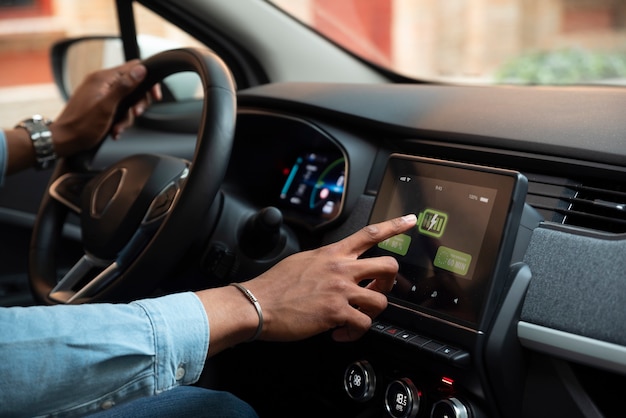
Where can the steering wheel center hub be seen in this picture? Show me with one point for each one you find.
(116, 202)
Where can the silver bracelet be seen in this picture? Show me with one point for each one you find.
(248, 294)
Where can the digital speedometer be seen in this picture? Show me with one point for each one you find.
(314, 186)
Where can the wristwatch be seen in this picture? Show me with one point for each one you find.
(37, 128)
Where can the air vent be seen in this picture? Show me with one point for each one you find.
(596, 206)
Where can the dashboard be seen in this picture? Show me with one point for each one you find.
(540, 332)
(518, 198)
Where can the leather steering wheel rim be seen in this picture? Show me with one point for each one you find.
(208, 167)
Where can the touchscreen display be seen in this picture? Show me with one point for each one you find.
(447, 260)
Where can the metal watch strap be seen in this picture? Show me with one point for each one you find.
(37, 128)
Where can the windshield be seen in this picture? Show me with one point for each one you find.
(548, 42)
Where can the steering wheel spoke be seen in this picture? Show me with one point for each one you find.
(84, 278)
(68, 189)
(91, 274)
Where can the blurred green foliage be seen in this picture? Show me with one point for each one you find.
(567, 66)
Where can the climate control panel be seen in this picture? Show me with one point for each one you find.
(406, 397)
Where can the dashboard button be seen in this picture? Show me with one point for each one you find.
(446, 351)
(379, 326)
(405, 335)
(419, 341)
(402, 399)
(393, 331)
(432, 346)
(449, 408)
(359, 381)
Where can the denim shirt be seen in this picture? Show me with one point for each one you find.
(72, 360)
(67, 361)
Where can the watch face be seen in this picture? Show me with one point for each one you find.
(41, 137)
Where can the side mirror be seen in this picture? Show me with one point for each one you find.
(73, 59)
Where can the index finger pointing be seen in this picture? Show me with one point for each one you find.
(370, 235)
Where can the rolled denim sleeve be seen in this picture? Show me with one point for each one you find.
(74, 360)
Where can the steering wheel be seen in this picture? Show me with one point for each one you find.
(138, 215)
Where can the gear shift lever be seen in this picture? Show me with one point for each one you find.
(261, 233)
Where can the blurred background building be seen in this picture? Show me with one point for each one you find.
(457, 39)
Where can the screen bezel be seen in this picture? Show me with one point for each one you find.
(495, 254)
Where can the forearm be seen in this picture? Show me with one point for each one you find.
(77, 357)
(20, 151)
(232, 317)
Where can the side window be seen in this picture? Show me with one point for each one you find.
(163, 34)
(155, 34)
(485, 42)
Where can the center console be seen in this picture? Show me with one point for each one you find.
(425, 355)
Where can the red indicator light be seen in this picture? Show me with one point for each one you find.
(447, 381)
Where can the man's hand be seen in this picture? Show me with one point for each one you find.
(310, 292)
(89, 114)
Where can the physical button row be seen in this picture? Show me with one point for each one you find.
(443, 351)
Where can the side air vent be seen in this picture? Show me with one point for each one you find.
(596, 206)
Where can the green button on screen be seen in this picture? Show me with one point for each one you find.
(452, 260)
(398, 244)
(432, 222)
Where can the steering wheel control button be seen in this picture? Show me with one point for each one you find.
(449, 408)
(359, 381)
(402, 399)
(162, 203)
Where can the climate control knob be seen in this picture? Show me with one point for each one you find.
(359, 381)
(402, 399)
(449, 408)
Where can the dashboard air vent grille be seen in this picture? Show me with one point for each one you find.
(596, 206)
